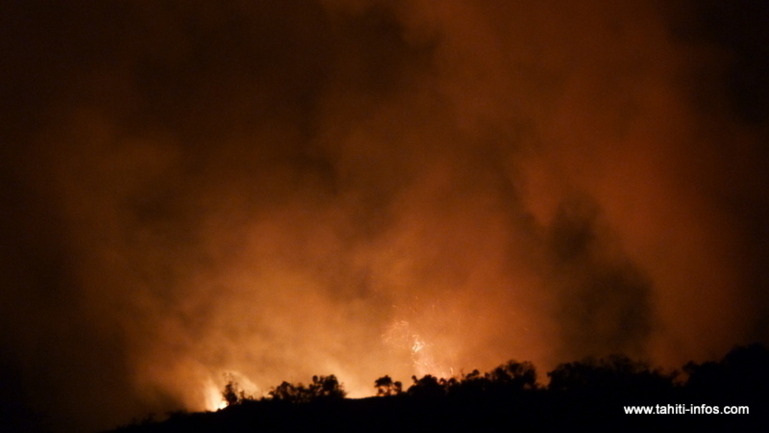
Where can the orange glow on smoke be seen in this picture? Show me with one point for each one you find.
(267, 191)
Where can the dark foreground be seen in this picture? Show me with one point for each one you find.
(590, 395)
(395, 414)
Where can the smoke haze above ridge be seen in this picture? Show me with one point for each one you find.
(282, 189)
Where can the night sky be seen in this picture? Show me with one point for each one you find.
(197, 191)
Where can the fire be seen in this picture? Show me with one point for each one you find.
(402, 335)
(213, 393)
(214, 400)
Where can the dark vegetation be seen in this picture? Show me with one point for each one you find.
(589, 394)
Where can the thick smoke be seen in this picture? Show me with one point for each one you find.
(270, 190)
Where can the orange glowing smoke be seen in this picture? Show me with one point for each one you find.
(366, 188)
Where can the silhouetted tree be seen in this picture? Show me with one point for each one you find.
(428, 387)
(616, 373)
(288, 393)
(743, 373)
(326, 387)
(747, 369)
(386, 387)
(514, 375)
(232, 393)
(322, 387)
(471, 384)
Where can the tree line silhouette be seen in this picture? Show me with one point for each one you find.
(509, 397)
